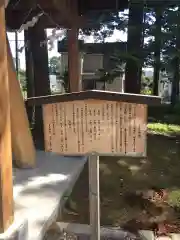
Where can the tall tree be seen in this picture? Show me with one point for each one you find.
(158, 27)
(102, 24)
(161, 49)
(157, 48)
(134, 47)
(41, 84)
(171, 48)
(176, 62)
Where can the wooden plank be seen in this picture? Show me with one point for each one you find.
(97, 95)
(73, 60)
(22, 142)
(94, 198)
(6, 192)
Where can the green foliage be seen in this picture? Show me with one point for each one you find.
(168, 34)
(164, 128)
(102, 24)
(146, 82)
(65, 78)
(146, 91)
(165, 35)
(174, 198)
(54, 65)
(22, 80)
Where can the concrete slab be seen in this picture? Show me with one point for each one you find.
(39, 192)
(82, 232)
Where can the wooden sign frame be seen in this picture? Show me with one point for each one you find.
(86, 98)
(58, 120)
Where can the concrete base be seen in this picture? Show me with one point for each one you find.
(39, 193)
(82, 232)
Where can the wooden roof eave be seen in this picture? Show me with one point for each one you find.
(55, 19)
(82, 5)
(64, 15)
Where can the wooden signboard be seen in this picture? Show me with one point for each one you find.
(95, 123)
(105, 127)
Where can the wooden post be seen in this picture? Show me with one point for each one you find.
(94, 199)
(22, 142)
(73, 60)
(81, 64)
(29, 77)
(6, 192)
(29, 66)
(37, 35)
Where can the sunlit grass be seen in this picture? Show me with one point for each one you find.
(163, 128)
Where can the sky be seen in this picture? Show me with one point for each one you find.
(117, 36)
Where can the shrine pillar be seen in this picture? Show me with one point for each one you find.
(29, 74)
(74, 61)
(6, 190)
(29, 66)
(41, 84)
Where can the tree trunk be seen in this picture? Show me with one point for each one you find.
(175, 82)
(37, 37)
(73, 61)
(176, 66)
(157, 50)
(134, 47)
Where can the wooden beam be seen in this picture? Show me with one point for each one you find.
(73, 60)
(22, 142)
(6, 190)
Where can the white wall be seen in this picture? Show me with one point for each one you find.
(90, 63)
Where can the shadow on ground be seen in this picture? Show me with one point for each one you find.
(136, 193)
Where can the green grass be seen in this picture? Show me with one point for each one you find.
(165, 129)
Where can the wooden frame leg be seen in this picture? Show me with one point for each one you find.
(22, 141)
(94, 196)
(6, 190)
